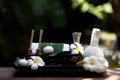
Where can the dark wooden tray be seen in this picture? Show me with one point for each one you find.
(57, 70)
(56, 66)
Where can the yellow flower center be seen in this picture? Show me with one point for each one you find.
(101, 62)
(77, 48)
(35, 61)
(92, 63)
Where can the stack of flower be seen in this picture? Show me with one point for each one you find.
(76, 48)
(95, 64)
(34, 62)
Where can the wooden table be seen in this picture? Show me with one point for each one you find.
(9, 73)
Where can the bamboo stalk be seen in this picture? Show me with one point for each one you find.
(40, 39)
(31, 39)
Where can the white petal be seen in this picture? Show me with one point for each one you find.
(86, 60)
(39, 58)
(101, 59)
(99, 68)
(72, 46)
(104, 62)
(33, 57)
(34, 67)
(92, 68)
(41, 63)
(86, 66)
(30, 62)
(75, 52)
(78, 44)
(93, 58)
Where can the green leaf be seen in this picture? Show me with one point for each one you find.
(85, 7)
(108, 8)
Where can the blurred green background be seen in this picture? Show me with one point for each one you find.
(58, 18)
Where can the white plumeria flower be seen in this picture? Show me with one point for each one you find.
(76, 48)
(90, 63)
(96, 64)
(102, 65)
(75, 51)
(72, 46)
(35, 62)
(103, 62)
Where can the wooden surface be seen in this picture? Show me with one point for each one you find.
(9, 73)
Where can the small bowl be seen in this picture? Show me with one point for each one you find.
(50, 59)
(69, 59)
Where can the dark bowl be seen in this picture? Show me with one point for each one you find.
(69, 59)
(50, 59)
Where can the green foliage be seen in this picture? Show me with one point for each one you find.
(99, 11)
(113, 63)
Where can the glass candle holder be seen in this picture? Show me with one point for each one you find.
(76, 37)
